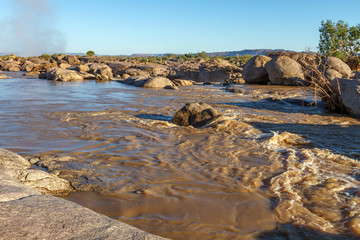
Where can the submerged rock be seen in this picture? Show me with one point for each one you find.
(3, 76)
(59, 74)
(195, 114)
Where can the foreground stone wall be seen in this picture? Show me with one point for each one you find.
(27, 214)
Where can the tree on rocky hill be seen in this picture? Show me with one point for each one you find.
(340, 40)
(90, 53)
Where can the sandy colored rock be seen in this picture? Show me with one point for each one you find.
(64, 65)
(64, 75)
(72, 60)
(158, 82)
(331, 74)
(284, 71)
(82, 68)
(337, 65)
(183, 82)
(102, 72)
(3, 76)
(17, 168)
(26, 214)
(254, 71)
(350, 94)
(27, 66)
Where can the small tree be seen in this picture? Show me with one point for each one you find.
(340, 40)
(202, 54)
(90, 53)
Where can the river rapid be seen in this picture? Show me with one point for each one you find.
(275, 169)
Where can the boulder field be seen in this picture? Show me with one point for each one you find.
(25, 213)
(276, 68)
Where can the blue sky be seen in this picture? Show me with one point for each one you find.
(172, 26)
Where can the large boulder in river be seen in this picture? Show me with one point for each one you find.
(349, 90)
(101, 71)
(283, 70)
(337, 65)
(195, 114)
(254, 71)
(27, 66)
(59, 74)
(158, 82)
(10, 65)
(72, 60)
(82, 68)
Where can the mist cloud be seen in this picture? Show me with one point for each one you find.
(31, 29)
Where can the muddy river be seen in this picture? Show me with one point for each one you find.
(275, 169)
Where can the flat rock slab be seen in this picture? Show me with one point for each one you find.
(26, 214)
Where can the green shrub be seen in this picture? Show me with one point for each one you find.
(90, 53)
(340, 40)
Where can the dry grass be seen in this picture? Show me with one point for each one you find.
(315, 76)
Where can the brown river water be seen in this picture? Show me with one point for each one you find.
(275, 169)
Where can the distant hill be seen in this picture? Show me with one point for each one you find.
(253, 52)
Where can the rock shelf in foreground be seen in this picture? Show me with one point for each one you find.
(27, 214)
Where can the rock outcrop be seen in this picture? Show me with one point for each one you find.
(158, 82)
(254, 71)
(152, 82)
(59, 74)
(337, 65)
(27, 214)
(195, 114)
(72, 60)
(283, 70)
(183, 82)
(18, 168)
(10, 65)
(102, 72)
(349, 90)
(81, 176)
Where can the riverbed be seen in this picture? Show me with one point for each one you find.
(281, 166)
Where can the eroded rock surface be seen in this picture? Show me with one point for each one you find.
(19, 169)
(78, 174)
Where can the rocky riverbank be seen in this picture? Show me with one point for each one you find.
(277, 68)
(25, 213)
